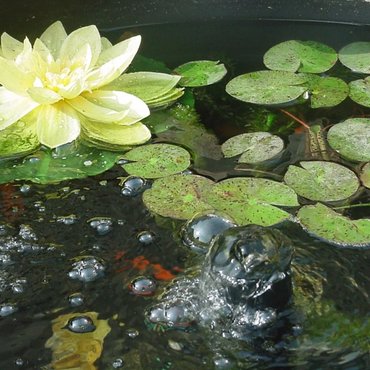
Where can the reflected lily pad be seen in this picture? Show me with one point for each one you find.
(300, 56)
(351, 139)
(360, 91)
(156, 160)
(356, 56)
(252, 200)
(268, 87)
(200, 73)
(365, 175)
(329, 225)
(323, 181)
(255, 147)
(46, 167)
(178, 196)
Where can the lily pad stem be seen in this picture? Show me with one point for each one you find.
(353, 206)
(303, 123)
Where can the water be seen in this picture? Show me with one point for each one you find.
(73, 255)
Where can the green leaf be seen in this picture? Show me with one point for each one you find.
(327, 91)
(18, 139)
(252, 200)
(141, 63)
(255, 147)
(178, 196)
(360, 91)
(356, 56)
(268, 87)
(46, 166)
(365, 175)
(329, 225)
(200, 73)
(166, 99)
(300, 56)
(156, 160)
(351, 139)
(323, 181)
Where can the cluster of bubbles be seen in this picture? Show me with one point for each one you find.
(87, 269)
(102, 225)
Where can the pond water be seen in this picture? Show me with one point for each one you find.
(71, 253)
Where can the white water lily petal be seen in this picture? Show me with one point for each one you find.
(53, 38)
(24, 60)
(111, 106)
(57, 124)
(105, 43)
(10, 46)
(77, 40)
(41, 49)
(13, 107)
(117, 135)
(42, 95)
(113, 61)
(13, 78)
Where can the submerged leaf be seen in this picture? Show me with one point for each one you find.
(351, 139)
(255, 147)
(200, 73)
(300, 56)
(365, 175)
(178, 196)
(329, 225)
(252, 200)
(268, 87)
(156, 160)
(356, 56)
(323, 181)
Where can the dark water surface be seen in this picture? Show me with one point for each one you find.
(81, 242)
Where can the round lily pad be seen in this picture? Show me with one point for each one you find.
(156, 160)
(268, 87)
(252, 200)
(365, 175)
(356, 56)
(329, 225)
(255, 147)
(178, 196)
(200, 73)
(300, 56)
(351, 139)
(323, 181)
(360, 91)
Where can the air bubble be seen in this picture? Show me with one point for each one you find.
(102, 225)
(67, 220)
(87, 269)
(146, 237)
(81, 324)
(7, 309)
(133, 186)
(143, 285)
(25, 189)
(132, 333)
(76, 299)
(118, 363)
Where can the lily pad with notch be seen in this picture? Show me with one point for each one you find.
(156, 160)
(333, 227)
(322, 181)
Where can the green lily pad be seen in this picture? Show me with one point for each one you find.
(166, 99)
(327, 91)
(46, 167)
(329, 225)
(351, 139)
(200, 73)
(300, 56)
(365, 175)
(322, 181)
(252, 200)
(356, 56)
(18, 139)
(360, 91)
(255, 147)
(268, 87)
(156, 160)
(178, 196)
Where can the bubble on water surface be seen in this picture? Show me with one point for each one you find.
(133, 186)
(26, 232)
(143, 285)
(67, 220)
(146, 237)
(81, 324)
(76, 299)
(87, 269)
(19, 362)
(117, 363)
(102, 225)
(7, 309)
(132, 333)
(25, 188)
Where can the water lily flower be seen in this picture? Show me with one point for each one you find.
(58, 87)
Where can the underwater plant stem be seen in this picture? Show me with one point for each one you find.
(303, 123)
(353, 206)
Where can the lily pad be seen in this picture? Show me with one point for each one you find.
(166, 99)
(300, 56)
(351, 139)
(200, 73)
(322, 181)
(156, 160)
(252, 200)
(356, 56)
(360, 91)
(329, 225)
(178, 196)
(268, 87)
(365, 175)
(45, 167)
(255, 147)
